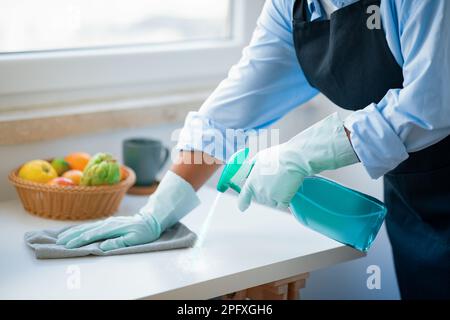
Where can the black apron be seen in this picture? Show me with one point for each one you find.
(353, 66)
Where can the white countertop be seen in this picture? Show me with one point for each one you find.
(239, 251)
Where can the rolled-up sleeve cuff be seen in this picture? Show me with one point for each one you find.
(201, 133)
(375, 142)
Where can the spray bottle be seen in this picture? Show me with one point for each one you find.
(338, 212)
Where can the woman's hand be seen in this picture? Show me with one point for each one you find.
(274, 178)
(279, 171)
(115, 232)
(173, 199)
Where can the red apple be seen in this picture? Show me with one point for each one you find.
(61, 181)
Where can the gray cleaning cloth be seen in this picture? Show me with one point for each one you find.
(45, 247)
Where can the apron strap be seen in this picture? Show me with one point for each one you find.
(299, 13)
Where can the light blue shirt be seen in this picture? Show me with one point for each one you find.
(268, 82)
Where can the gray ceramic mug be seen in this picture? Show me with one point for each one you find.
(146, 157)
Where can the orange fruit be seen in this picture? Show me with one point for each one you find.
(61, 181)
(74, 175)
(78, 160)
(123, 173)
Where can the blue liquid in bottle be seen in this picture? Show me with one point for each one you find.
(343, 214)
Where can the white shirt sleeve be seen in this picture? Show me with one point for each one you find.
(418, 115)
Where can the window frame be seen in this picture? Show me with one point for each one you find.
(36, 79)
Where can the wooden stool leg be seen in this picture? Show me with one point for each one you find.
(278, 290)
(239, 295)
(268, 292)
(293, 292)
(294, 289)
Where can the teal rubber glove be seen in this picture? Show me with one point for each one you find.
(173, 199)
(279, 171)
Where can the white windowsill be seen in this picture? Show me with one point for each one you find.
(25, 125)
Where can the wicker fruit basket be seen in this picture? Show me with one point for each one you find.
(71, 202)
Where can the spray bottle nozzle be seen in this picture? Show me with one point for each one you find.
(233, 175)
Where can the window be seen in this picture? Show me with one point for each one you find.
(54, 52)
(30, 25)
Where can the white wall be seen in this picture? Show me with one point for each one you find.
(345, 281)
